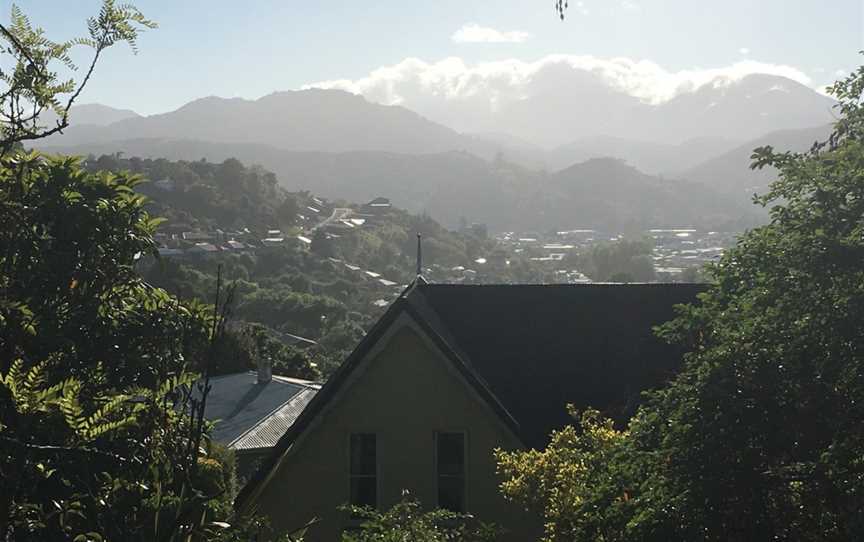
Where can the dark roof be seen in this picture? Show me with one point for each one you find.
(540, 347)
(529, 350)
(249, 414)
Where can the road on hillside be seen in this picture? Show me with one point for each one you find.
(338, 213)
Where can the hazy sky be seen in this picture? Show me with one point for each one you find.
(254, 47)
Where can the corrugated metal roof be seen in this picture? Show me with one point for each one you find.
(270, 429)
(237, 404)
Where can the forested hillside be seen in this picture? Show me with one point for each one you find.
(452, 185)
(298, 271)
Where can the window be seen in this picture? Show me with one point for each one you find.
(362, 471)
(450, 459)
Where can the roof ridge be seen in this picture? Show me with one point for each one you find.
(554, 284)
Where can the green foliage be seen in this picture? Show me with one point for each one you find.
(33, 88)
(408, 521)
(207, 194)
(102, 437)
(571, 483)
(760, 437)
(618, 261)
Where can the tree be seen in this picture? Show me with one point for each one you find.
(103, 378)
(100, 427)
(32, 87)
(571, 482)
(761, 436)
(618, 261)
(408, 521)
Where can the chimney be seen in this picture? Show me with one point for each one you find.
(265, 370)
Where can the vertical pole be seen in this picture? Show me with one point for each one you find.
(419, 256)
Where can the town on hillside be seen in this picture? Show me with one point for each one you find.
(446, 271)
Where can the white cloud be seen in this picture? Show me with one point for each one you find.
(423, 85)
(474, 33)
(580, 7)
(840, 73)
(744, 51)
(630, 5)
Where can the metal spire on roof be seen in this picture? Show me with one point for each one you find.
(419, 256)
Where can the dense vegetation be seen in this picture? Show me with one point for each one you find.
(761, 436)
(103, 378)
(321, 291)
(97, 367)
(104, 374)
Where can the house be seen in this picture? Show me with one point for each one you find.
(198, 236)
(166, 185)
(376, 208)
(199, 249)
(252, 410)
(451, 372)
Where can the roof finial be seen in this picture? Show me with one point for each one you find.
(419, 256)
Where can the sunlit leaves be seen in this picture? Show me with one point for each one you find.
(33, 87)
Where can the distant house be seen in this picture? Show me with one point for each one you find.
(166, 185)
(377, 206)
(273, 241)
(198, 236)
(203, 249)
(252, 410)
(235, 245)
(451, 372)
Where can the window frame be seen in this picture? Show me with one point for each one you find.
(464, 475)
(351, 476)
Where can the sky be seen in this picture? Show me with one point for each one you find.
(252, 48)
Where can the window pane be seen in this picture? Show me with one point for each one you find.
(451, 493)
(363, 492)
(451, 454)
(363, 454)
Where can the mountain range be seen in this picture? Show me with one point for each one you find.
(342, 146)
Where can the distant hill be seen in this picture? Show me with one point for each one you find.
(306, 120)
(600, 193)
(93, 115)
(606, 190)
(654, 158)
(580, 117)
(730, 172)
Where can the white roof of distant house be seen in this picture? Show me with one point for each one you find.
(303, 239)
(205, 247)
(197, 236)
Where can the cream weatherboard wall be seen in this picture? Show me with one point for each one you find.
(404, 391)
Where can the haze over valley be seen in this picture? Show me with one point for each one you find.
(568, 147)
